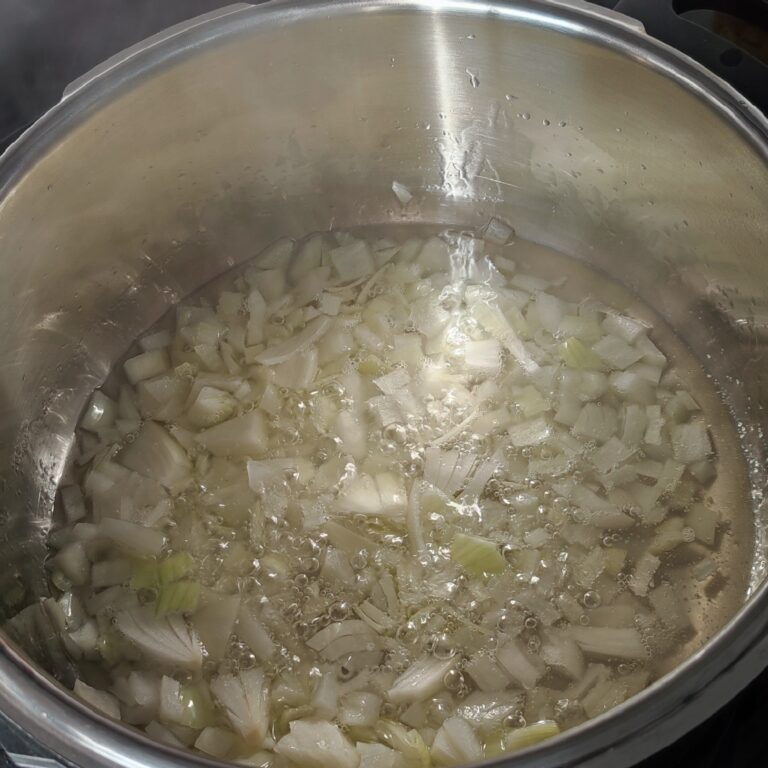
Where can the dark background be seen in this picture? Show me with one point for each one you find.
(45, 44)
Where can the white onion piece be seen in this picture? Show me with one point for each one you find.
(244, 435)
(615, 643)
(353, 435)
(298, 372)
(215, 741)
(100, 413)
(157, 340)
(261, 473)
(596, 422)
(402, 193)
(359, 708)
(393, 382)
(277, 255)
(211, 406)
(132, 537)
(164, 735)
(107, 573)
(351, 627)
(456, 743)
(257, 315)
(352, 261)
(560, 650)
(646, 567)
(245, 701)
(486, 673)
(416, 539)
(146, 365)
(483, 356)
(421, 680)
(155, 454)
(215, 621)
(521, 665)
(529, 433)
(378, 756)
(102, 701)
(170, 706)
(616, 353)
(317, 744)
(86, 638)
(310, 334)
(165, 640)
(494, 321)
(254, 634)
(690, 442)
(74, 563)
(73, 502)
(382, 495)
(624, 327)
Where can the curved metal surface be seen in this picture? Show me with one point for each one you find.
(152, 178)
(164, 37)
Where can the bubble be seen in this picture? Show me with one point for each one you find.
(333, 389)
(359, 560)
(504, 621)
(407, 633)
(395, 433)
(309, 565)
(310, 547)
(584, 620)
(339, 611)
(441, 646)
(531, 622)
(515, 720)
(453, 680)
(591, 599)
(319, 622)
(301, 580)
(292, 611)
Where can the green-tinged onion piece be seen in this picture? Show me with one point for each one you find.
(575, 354)
(520, 738)
(478, 556)
(175, 567)
(179, 597)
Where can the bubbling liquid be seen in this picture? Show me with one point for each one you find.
(413, 491)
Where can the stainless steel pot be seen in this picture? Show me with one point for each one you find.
(190, 152)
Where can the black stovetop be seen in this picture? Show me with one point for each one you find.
(45, 44)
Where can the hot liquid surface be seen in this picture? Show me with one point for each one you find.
(424, 498)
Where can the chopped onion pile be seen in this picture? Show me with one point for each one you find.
(380, 504)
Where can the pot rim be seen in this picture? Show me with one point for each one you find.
(625, 734)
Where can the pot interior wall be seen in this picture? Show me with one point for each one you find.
(144, 187)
